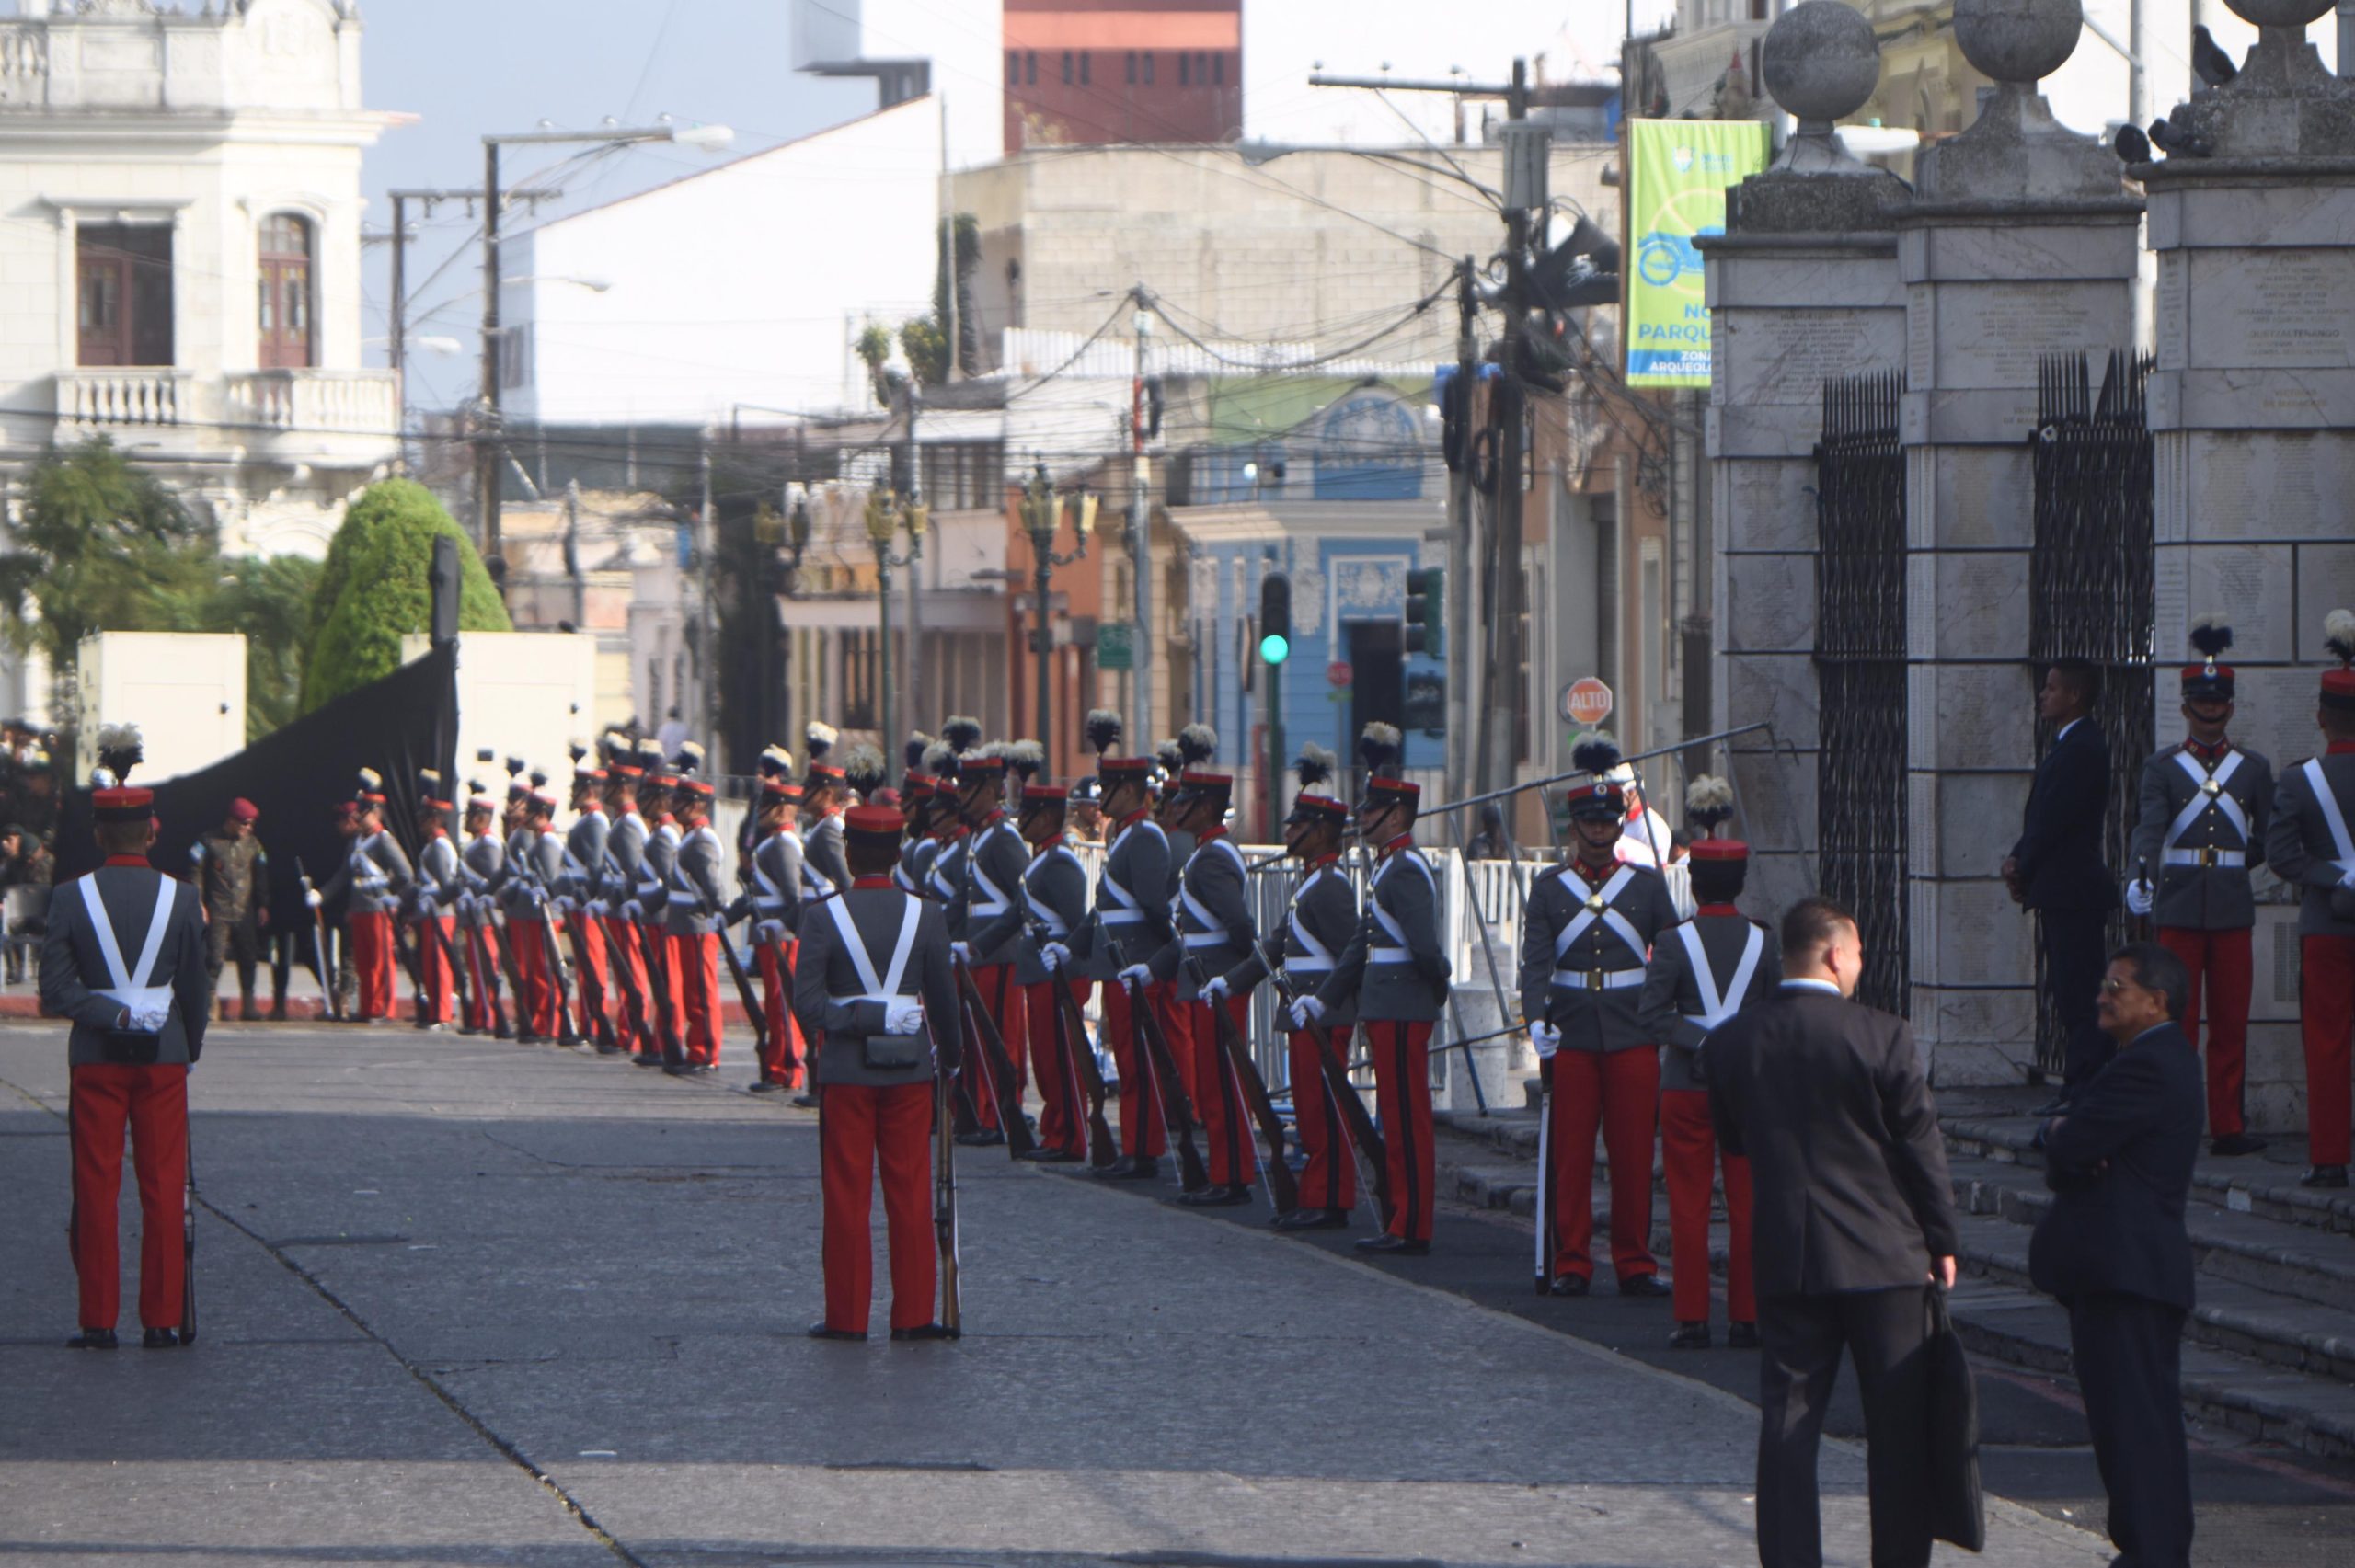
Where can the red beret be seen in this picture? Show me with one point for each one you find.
(243, 810)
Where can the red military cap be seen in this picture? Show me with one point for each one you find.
(775, 787)
(1719, 849)
(124, 804)
(1126, 767)
(697, 786)
(244, 811)
(874, 823)
(1397, 789)
(990, 762)
(1038, 795)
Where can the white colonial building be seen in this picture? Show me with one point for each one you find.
(180, 253)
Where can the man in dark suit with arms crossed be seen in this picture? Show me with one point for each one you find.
(2055, 869)
(2113, 1248)
(1852, 1212)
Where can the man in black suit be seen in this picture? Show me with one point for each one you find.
(1853, 1212)
(2056, 867)
(2113, 1249)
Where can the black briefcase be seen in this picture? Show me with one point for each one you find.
(1957, 1505)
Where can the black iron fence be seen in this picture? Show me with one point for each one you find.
(1860, 668)
(2089, 579)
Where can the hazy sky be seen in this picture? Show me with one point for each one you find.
(468, 67)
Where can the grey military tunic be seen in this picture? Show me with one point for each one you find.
(517, 897)
(485, 860)
(916, 866)
(2310, 843)
(1054, 899)
(378, 874)
(822, 851)
(624, 859)
(841, 1007)
(990, 920)
(1131, 903)
(943, 882)
(75, 968)
(696, 899)
(775, 895)
(651, 886)
(440, 877)
(1322, 917)
(1584, 948)
(1393, 967)
(585, 857)
(2201, 834)
(1703, 972)
(1212, 914)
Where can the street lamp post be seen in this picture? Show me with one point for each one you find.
(1042, 510)
(887, 514)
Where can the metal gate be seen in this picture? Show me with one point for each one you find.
(1860, 671)
(2089, 582)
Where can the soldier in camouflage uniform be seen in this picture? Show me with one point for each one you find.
(233, 876)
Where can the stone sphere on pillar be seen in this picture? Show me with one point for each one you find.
(2295, 15)
(2018, 41)
(1820, 61)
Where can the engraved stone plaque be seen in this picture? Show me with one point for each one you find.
(1785, 355)
(2271, 309)
(1991, 336)
(2269, 484)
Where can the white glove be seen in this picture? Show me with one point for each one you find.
(1215, 989)
(2139, 896)
(313, 898)
(565, 904)
(2347, 880)
(904, 1015)
(631, 911)
(1546, 1040)
(598, 908)
(1306, 1012)
(150, 1019)
(768, 933)
(962, 952)
(1135, 975)
(1054, 955)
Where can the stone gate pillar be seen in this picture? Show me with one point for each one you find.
(1802, 288)
(2021, 242)
(2252, 412)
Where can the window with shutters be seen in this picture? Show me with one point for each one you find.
(123, 293)
(284, 289)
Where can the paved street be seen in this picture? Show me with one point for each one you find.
(466, 1302)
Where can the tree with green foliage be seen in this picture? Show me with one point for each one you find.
(925, 339)
(99, 546)
(377, 588)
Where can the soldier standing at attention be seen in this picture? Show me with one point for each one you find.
(1214, 928)
(691, 914)
(1322, 917)
(584, 858)
(124, 959)
(232, 874)
(1397, 973)
(374, 876)
(616, 886)
(875, 989)
(1701, 973)
(825, 791)
(645, 907)
(985, 921)
(773, 901)
(483, 858)
(1055, 902)
(440, 880)
(2205, 808)
(2310, 846)
(1590, 931)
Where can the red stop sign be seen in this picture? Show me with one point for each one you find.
(1586, 702)
(1339, 673)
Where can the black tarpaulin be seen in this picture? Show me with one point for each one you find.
(297, 776)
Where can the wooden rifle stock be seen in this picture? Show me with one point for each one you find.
(944, 1204)
(1374, 1156)
(1071, 1037)
(1283, 1188)
(1004, 1091)
(1150, 1045)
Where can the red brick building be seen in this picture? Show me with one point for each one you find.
(1083, 72)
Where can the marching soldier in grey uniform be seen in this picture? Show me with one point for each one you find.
(875, 988)
(1215, 932)
(1055, 902)
(584, 860)
(481, 863)
(534, 877)
(433, 901)
(1586, 936)
(1396, 972)
(985, 919)
(772, 898)
(634, 1029)
(1323, 918)
(373, 876)
(2310, 845)
(1703, 972)
(825, 791)
(2206, 806)
(1130, 919)
(691, 917)
(649, 890)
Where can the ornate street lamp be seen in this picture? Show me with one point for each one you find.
(1042, 510)
(887, 514)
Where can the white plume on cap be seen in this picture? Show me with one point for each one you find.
(2338, 634)
(1708, 793)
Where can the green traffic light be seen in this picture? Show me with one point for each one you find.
(1274, 649)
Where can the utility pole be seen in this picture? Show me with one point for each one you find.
(1501, 729)
(397, 354)
(1141, 535)
(1461, 660)
(948, 238)
(487, 478)
(708, 545)
(914, 677)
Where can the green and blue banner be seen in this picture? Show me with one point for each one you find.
(1679, 171)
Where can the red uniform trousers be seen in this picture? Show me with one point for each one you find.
(433, 965)
(2222, 958)
(2326, 1007)
(781, 1054)
(536, 1007)
(1062, 1113)
(596, 981)
(1144, 1131)
(860, 1128)
(1619, 1092)
(1233, 1154)
(153, 1102)
(1177, 1020)
(1002, 999)
(1329, 1180)
(633, 1020)
(1402, 1098)
(661, 989)
(372, 961)
(694, 961)
(482, 966)
(1689, 1155)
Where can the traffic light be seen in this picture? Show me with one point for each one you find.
(1275, 618)
(1427, 610)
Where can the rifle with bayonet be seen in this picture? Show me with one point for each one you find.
(1283, 1189)
(1151, 1052)
(319, 940)
(1071, 1039)
(1006, 1089)
(1365, 1138)
(944, 1197)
